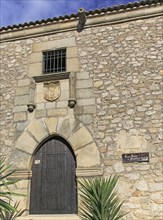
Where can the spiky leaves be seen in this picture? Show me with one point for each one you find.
(99, 199)
(12, 214)
(5, 194)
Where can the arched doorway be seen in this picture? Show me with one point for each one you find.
(53, 183)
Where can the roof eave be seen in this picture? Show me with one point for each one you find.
(71, 24)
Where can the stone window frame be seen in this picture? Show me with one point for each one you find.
(36, 59)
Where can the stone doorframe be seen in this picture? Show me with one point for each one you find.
(74, 132)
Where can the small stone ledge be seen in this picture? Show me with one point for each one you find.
(50, 77)
(49, 217)
(89, 172)
(21, 174)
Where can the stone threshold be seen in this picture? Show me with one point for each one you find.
(49, 217)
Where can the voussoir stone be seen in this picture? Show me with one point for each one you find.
(26, 143)
(88, 156)
(37, 129)
(51, 124)
(80, 138)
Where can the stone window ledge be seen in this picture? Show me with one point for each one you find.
(50, 77)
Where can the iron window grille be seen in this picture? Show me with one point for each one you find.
(54, 61)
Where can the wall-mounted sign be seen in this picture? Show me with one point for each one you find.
(135, 157)
(37, 161)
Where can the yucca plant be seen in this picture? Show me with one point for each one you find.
(99, 199)
(5, 182)
(12, 214)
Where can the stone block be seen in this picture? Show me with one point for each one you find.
(82, 75)
(36, 57)
(20, 108)
(119, 167)
(51, 124)
(83, 84)
(72, 52)
(84, 93)
(89, 109)
(141, 185)
(84, 102)
(37, 129)
(26, 143)
(85, 119)
(50, 105)
(39, 87)
(123, 187)
(24, 82)
(80, 138)
(88, 156)
(67, 126)
(57, 112)
(22, 100)
(98, 84)
(35, 69)
(154, 187)
(78, 110)
(72, 65)
(20, 126)
(20, 116)
(23, 184)
(39, 98)
(62, 104)
(40, 106)
(24, 90)
(64, 95)
(40, 113)
(64, 85)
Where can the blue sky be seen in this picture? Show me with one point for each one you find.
(20, 11)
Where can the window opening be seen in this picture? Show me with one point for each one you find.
(54, 61)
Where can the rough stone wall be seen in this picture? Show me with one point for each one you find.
(118, 91)
(124, 62)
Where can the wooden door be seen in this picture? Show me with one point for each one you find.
(53, 184)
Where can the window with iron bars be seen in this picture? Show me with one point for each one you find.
(54, 61)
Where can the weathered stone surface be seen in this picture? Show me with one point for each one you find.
(26, 143)
(82, 84)
(130, 141)
(22, 90)
(22, 100)
(51, 124)
(57, 112)
(84, 93)
(88, 156)
(37, 129)
(118, 70)
(77, 141)
(141, 185)
(21, 116)
(24, 82)
(66, 126)
(82, 75)
(84, 102)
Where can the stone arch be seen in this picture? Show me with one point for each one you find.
(73, 131)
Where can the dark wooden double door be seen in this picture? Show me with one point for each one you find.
(53, 184)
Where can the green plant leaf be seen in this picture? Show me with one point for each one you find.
(99, 199)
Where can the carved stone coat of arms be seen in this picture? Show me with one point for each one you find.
(52, 90)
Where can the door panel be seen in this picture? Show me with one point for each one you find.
(53, 184)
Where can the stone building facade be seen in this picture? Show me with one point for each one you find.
(113, 78)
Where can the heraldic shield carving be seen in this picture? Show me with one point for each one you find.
(52, 90)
